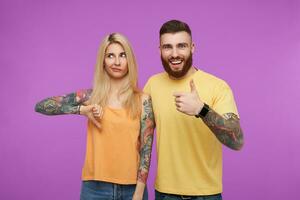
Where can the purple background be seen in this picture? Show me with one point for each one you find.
(49, 48)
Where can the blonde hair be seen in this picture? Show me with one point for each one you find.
(129, 90)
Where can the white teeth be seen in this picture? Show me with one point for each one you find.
(176, 62)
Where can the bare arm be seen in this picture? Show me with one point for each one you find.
(65, 104)
(226, 128)
(146, 138)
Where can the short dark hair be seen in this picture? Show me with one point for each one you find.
(174, 26)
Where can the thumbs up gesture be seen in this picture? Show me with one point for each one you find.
(188, 102)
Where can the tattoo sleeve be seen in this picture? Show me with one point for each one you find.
(146, 139)
(226, 128)
(65, 104)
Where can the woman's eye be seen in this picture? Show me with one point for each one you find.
(123, 55)
(110, 55)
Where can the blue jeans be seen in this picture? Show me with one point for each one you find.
(99, 190)
(164, 196)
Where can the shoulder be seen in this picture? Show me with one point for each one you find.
(83, 94)
(211, 79)
(146, 106)
(84, 91)
(154, 81)
(146, 101)
(157, 77)
(145, 97)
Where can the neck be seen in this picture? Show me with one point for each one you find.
(115, 99)
(116, 84)
(189, 72)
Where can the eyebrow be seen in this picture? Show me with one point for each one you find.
(170, 45)
(166, 45)
(111, 53)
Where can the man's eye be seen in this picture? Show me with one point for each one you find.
(167, 47)
(182, 46)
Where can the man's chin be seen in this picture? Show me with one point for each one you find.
(176, 74)
(176, 70)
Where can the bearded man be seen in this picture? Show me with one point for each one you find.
(195, 114)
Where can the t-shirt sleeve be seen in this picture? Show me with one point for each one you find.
(224, 101)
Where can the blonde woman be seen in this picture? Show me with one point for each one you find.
(120, 125)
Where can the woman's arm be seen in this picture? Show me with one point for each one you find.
(146, 139)
(65, 104)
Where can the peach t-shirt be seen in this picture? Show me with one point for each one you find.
(112, 153)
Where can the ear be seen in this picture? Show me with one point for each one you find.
(193, 47)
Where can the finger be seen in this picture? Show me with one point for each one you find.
(178, 94)
(95, 121)
(96, 115)
(178, 99)
(192, 85)
(101, 113)
(179, 105)
(178, 109)
(95, 108)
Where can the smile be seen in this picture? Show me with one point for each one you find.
(176, 62)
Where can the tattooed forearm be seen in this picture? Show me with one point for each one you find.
(226, 128)
(66, 104)
(146, 138)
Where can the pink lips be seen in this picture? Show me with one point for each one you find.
(116, 69)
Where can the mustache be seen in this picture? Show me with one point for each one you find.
(175, 58)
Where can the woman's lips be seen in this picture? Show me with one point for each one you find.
(116, 69)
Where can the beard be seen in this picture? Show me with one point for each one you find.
(178, 74)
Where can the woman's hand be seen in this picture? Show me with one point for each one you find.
(92, 112)
(137, 196)
(139, 191)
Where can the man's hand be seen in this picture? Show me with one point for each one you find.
(188, 102)
(92, 112)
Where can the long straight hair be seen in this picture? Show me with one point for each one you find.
(102, 84)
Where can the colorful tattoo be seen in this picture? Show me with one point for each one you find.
(227, 128)
(146, 139)
(66, 104)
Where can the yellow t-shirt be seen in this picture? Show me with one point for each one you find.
(189, 155)
(112, 154)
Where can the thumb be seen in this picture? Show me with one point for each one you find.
(96, 123)
(193, 87)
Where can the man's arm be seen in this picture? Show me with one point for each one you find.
(65, 104)
(226, 128)
(146, 140)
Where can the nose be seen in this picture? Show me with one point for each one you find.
(174, 53)
(117, 61)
